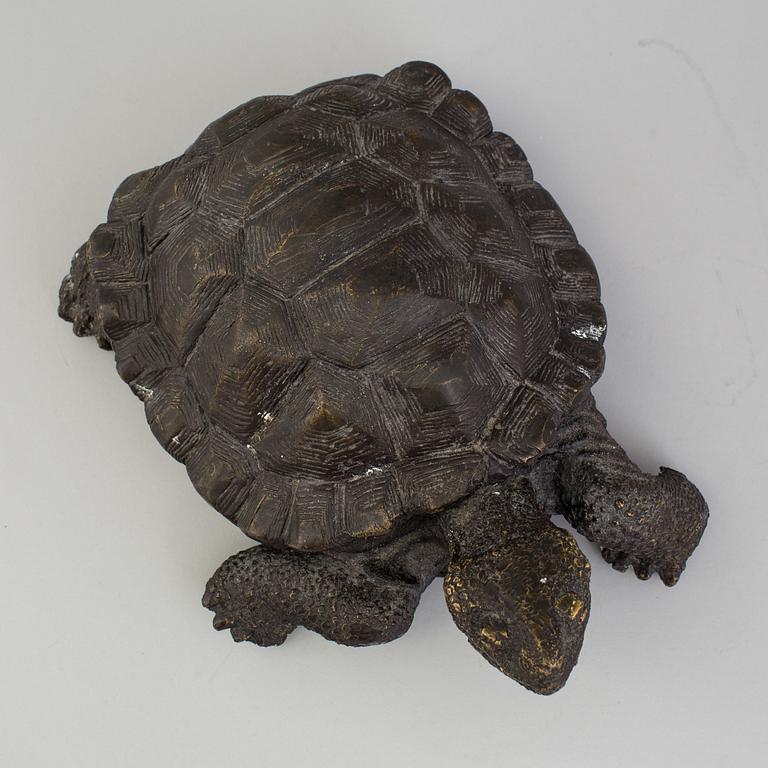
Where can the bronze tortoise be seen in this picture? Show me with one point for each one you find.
(371, 336)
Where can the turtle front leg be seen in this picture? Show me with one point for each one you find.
(362, 598)
(517, 586)
(652, 523)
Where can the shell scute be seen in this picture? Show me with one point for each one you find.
(542, 217)
(356, 312)
(324, 222)
(245, 358)
(505, 159)
(417, 83)
(430, 483)
(439, 389)
(462, 113)
(237, 123)
(324, 428)
(221, 471)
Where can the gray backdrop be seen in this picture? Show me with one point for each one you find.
(647, 121)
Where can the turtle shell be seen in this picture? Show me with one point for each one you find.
(341, 307)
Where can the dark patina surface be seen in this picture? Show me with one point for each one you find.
(370, 336)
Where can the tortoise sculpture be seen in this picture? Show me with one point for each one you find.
(371, 338)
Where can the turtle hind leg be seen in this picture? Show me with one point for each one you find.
(649, 522)
(77, 300)
(517, 586)
(262, 595)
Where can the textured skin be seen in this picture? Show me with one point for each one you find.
(352, 598)
(371, 336)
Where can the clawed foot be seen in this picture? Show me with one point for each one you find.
(651, 524)
(243, 606)
(621, 561)
(262, 595)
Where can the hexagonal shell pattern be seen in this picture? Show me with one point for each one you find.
(340, 306)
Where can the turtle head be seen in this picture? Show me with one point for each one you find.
(516, 585)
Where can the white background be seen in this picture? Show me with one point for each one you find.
(647, 121)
